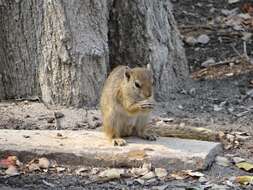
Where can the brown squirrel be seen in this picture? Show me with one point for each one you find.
(126, 103)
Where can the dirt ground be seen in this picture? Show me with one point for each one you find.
(219, 97)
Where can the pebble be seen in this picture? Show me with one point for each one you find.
(203, 39)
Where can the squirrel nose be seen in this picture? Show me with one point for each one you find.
(147, 94)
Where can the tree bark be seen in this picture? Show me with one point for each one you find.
(74, 51)
(61, 50)
(18, 49)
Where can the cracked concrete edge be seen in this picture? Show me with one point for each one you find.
(93, 159)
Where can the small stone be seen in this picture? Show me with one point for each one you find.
(222, 161)
(208, 62)
(26, 102)
(203, 39)
(44, 163)
(180, 107)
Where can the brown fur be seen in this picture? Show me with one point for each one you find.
(126, 107)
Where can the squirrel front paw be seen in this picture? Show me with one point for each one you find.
(119, 142)
(146, 105)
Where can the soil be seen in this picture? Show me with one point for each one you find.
(220, 104)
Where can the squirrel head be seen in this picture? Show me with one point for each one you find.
(138, 83)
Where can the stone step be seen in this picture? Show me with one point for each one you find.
(92, 149)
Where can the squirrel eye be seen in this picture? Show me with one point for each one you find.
(137, 84)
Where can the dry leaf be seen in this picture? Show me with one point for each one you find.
(245, 165)
(148, 176)
(237, 160)
(33, 167)
(139, 171)
(12, 171)
(194, 174)
(244, 179)
(247, 8)
(161, 172)
(178, 176)
(81, 170)
(147, 166)
(112, 173)
(60, 169)
(9, 161)
(140, 181)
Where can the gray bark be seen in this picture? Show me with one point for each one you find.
(74, 51)
(18, 52)
(60, 50)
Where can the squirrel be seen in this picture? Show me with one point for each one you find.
(126, 103)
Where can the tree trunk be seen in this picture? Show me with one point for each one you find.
(61, 50)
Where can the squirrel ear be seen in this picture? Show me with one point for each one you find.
(127, 73)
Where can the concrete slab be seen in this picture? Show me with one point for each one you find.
(92, 148)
